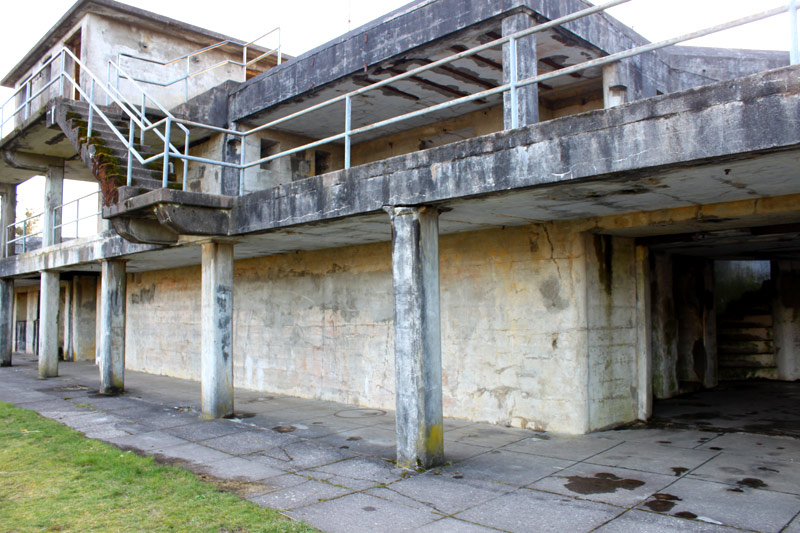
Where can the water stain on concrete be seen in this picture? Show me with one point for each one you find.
(679, 470)
(662, 502)
(686, 514)
(752, 482)
(601, 483)
(284, 429)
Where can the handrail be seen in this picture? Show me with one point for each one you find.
(186, 57)
(25, 235)
(78, 217)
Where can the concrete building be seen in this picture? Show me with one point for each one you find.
(433, 213)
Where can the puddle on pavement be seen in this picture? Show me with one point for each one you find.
(662, 502)
(686, 514)
(284, 429)
(679, 470)
(752, 482)
(602, 483)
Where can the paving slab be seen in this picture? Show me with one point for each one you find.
(794, 526)
(659, 459)
(361, 512)
(370, 469)
(201, 430)
(239, 468)
(636, 521)
(247, 442)
(526, 510)
(368, 440)
(487, 435)
(453, 525)
(729, 505)
(301, 455)
(616, 486)
(761, 446)
(570, 448)
(747, 471)
(681, 438)
(147, 441)
(447, 494)
(308, 493)
(192, 453)
(509, 468)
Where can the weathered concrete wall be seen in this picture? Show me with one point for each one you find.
(734, 278)
(664, 327)
(515, 327)
(617, 330)
(84, 317)
(693, 285)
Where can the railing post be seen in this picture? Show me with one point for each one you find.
(130, 152)
(186, 83)
(513, 83)
(61, 75)
(28, 98)
(77, 216)
(165, 171)
(91, 110)
(794, 55)
(186, 161)
(347, 126)
(24, 236)
(144, 113)
(244, 64)
(242, 146)
(108, 83)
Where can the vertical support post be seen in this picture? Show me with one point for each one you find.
(165, 171)
(8, 214)
(186, 161)
(242, 148)
(418, 359)
(794, 55)
(347, 127)
(91, 110)
(6, 320)
(53, 198)
(111, 345)
(186, 83)
(28, 98)
(520, 105)
(244, 64)
(48, 324)
(786, 318)
(615, 88)
(144, 119)
(130, 152)
(61, 74)
(108, 83)
(217, 330)
(68, 321)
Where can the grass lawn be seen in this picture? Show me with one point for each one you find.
(52, 478)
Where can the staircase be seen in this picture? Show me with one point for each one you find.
(106, 155)
(745, 343)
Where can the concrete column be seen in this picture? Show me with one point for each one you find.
(111, 345)
(49, 296)
(664, 338)
(6, 320)
(527, 97)
(786, 318)
(8, 214)
(67, 321)
(53, 197)
(615, 86)
(217, 330)
(84, 318)
(697, 325)
(417, 343)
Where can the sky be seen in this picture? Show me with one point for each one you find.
(306, 24)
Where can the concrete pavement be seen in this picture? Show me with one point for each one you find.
(332, 464)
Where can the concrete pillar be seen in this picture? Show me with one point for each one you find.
(49, 298)
(527, 97)
(111, 346)
(615, 86)
(67, 321)
(697, 325)
(216, 363)
(417, 343)
(664, 327)
(53, 197)
(8, 214)
(84, 318)
(32, 323)
(6, 320)
(786, 318)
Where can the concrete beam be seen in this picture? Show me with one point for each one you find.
(615, 86)
(48, 323)
(526, 66)
(217, 330)
(111, 346)
(417, 344)
(6, 320)
(53, 197)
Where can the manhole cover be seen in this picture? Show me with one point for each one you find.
(360, 413)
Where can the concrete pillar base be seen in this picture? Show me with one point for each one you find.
(418, 357)
(48, 324)
(217, 334)
(111, 348)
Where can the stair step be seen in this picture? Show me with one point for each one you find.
(745, 347)
(756, 360)
(750, 321)
(730, 336)
(728, 374)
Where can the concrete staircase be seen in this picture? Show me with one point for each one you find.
(106, 155)
(745, 343)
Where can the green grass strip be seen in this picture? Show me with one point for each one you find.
(52, 478)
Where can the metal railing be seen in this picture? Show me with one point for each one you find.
(136, 116)
(244, 63)
(96, 211)
(26, 225)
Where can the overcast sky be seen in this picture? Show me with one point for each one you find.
(307, 23)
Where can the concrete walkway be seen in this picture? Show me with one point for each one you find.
(330, 464)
